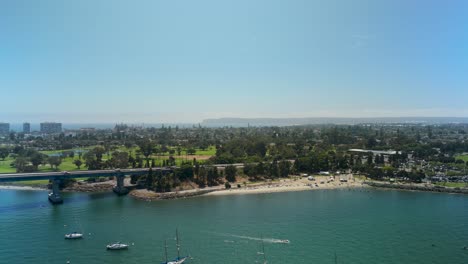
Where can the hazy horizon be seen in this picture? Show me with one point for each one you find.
(16, 124)
(185, 61)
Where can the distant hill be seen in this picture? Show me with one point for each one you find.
(244, 122)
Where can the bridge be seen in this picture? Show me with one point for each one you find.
(56, 177)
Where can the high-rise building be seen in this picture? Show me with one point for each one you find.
(26, 128)
(4, 128)
(51, 128)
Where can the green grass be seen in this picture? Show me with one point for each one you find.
(462, 157)
(67, 163)
(5, 166)
(452, 184)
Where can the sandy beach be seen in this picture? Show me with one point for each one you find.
(291, 185)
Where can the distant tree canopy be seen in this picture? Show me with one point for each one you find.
(4, 152)
(266, 152)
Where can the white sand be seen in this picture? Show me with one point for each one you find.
(290, 185)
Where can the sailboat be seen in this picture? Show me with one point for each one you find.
(74, 235)
(179, 259)
(263, 252)
(117, 245)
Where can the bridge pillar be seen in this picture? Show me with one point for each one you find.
(54, 196)
(120, 189)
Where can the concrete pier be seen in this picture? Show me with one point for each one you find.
(54, 196)
(120, 189)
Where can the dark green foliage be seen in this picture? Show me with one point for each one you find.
(230, 173)
(4, 152)
(150, 179)
(54, 161)
(212, 176)
(284, 168)
(185, 172)
(78, 163)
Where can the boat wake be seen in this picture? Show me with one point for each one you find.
(266, 240)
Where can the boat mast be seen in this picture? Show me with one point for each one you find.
(336, 258)
(263, 251)
(165, 249)
(177, 244)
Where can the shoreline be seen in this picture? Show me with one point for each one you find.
(283, 185)
(22, 188)
(416, 187)
(276, 188)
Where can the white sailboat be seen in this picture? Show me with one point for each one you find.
(179, 259)
(75, 235)
(118, 245)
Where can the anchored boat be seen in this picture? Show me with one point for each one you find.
(74, 235)
(179, 259)
(117, 246)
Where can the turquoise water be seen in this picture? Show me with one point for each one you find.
(361, 226)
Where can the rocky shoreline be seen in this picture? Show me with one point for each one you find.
(414, 187)
(90, 187)
(146, 195)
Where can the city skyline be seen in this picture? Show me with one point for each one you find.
(184, 62)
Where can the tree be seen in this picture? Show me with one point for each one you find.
(179, 150)
(274, 170)
(212, 176)
(369, 158)
(4, 152)
(92, 163)
(54, 161)
(119, 159)
(185, 172)
(21, 163)
(201, 177)
(230, 173)
(146, 147)
(191, 151)
(98, 152)
(150, 179)
(284, 168)
(78, 163)
(37, 159)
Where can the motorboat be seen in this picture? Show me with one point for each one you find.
(117, 246)
(284, 241)
(74, 235)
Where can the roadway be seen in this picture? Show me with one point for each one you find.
(11, 177)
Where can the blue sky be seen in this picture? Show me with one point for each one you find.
(183, 61)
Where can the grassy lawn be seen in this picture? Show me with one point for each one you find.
(210, 151)
(462, 157)
(67, 163)
(5, 166)
(452, 184)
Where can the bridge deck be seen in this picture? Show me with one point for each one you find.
(11, 177)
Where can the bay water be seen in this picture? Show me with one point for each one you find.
(355, 225)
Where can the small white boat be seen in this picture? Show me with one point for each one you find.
(117, 246)
(73, 235)
(284, 241)
(177, 261)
